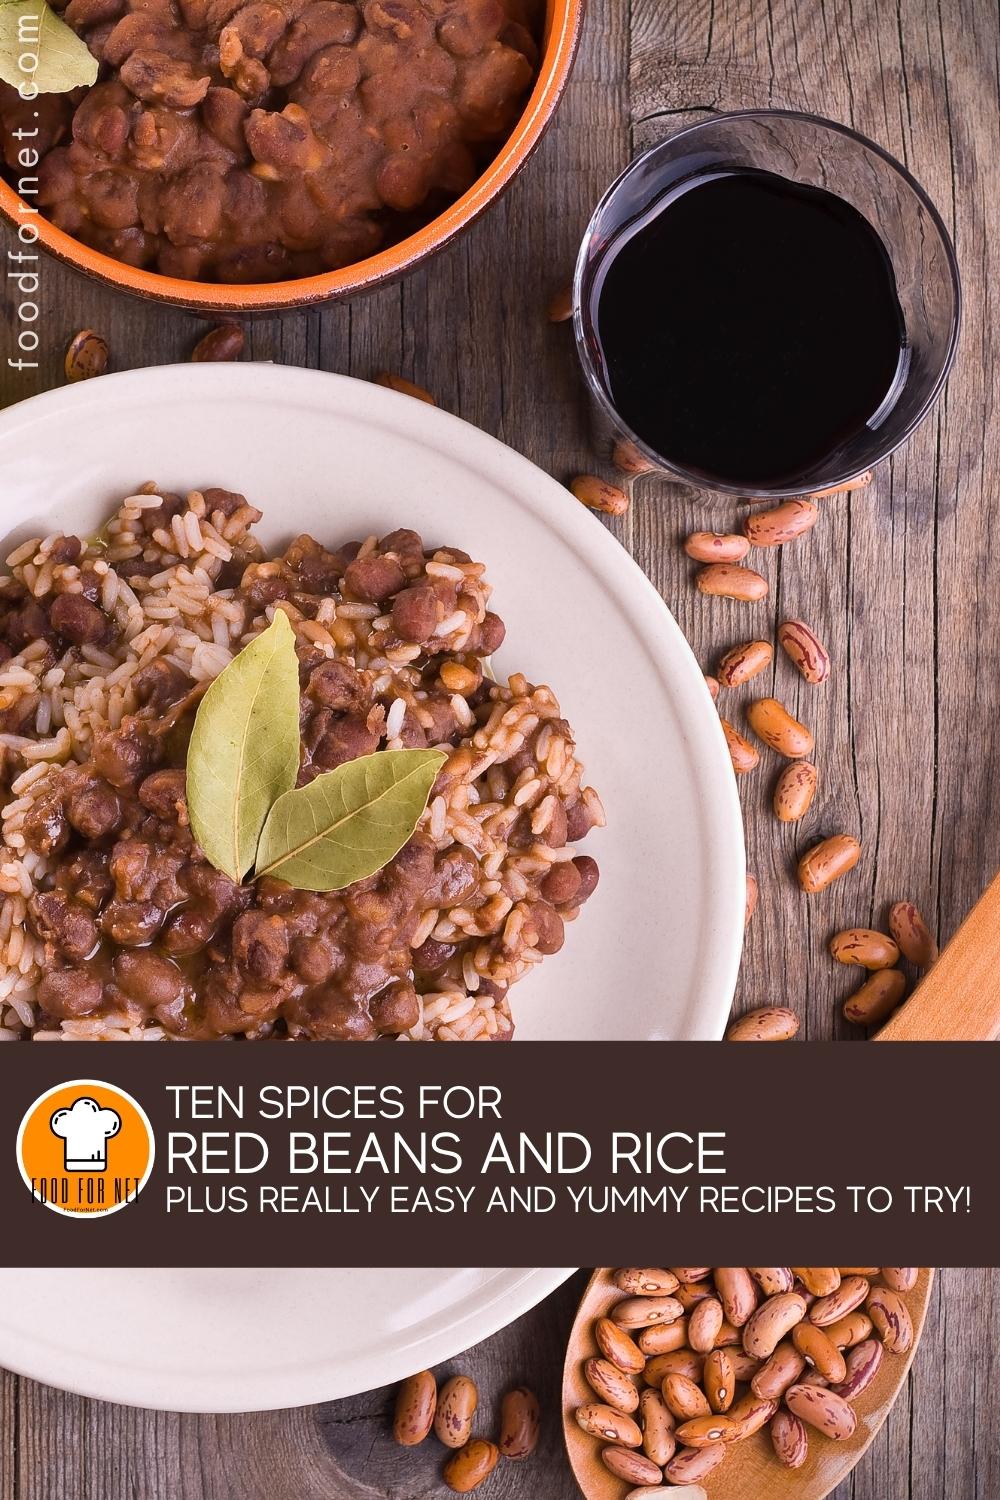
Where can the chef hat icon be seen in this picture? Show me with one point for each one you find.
(85, 1129)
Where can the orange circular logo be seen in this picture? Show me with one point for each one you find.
(85, 1148)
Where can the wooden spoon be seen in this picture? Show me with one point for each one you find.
(958, 1000)
(751, 1469)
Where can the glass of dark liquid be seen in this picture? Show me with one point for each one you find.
(766, 304)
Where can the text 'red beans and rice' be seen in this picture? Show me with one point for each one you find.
(112, 922)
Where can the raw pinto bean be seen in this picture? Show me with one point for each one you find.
(658, 1441)
(794, 791)
(859, 482)
(647, 1282)
(868, 1271)
(753, 891)
(731, 581)
(684, 1398)
(519, 1423)
(633, 1467)
(703, 1432)
(692, 1273)
(745, 1366)
(467, 1469)
(850, 1294)
(415, 1407)
(643, 1312)
(772, 1279)
(772, 723)
(719, 1380)
(692, 1464)
(615, 1344)
(704, 1325)
(820, 1280)
(627, 457)
(881, 994)
(771, 1322)
(737, 1293)
(664, 1338)
(610, 1385)
(783, 1369)
(741, 663)
(712, 683)
(560, 305)
(742, 754)
(456, 1410)
(716, 547)
(86, 356)
(850, 1331)
(405, 387)
(222, 343)
(748, 1416)
(690, 1293)
(600, 494)
(728, 1336)
(804, 650)
(610, 1425)
(819, 1352)
(912, 935)
(789, 1440)
(891, 1318)
(673, 1492)
(900, 1278)
(828, 861)
(774, 1023)
(822, 1409)
(679, 1362)
(860, 1368)
(781, 524)
(865, 947)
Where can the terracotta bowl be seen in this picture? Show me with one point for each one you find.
(751, 1471)
(562, 34)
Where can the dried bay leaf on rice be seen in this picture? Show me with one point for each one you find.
(349, 822)
(39, 50)
(244, 750)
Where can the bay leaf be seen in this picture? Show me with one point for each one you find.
(244, 750)
(349, 822)
(38, 50)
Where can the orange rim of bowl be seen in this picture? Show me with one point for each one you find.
(562, 33)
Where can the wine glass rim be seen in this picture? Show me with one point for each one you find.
(677, 471)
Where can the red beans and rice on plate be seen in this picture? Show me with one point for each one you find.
(115, 926)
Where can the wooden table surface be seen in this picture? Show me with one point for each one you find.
(900, 581)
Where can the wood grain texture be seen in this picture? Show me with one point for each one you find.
(900, 581)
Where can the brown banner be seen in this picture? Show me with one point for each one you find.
(543, 1154)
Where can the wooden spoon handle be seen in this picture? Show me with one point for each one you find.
(959, 999)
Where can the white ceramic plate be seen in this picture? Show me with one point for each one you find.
(655, 952)
(223, 1340)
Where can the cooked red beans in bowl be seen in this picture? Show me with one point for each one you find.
(272, 140)
(113, 923)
